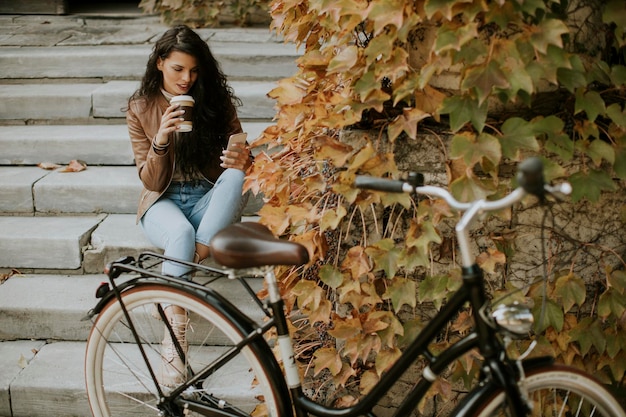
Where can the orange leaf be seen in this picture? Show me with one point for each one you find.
(74, 166)
(488, 260)
(48, 165)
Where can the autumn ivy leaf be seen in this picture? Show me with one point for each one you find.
(345, 328)
(551, 316)
(288, 92)
(344, 61)
(412, 329)
(582, 335)
(385, 256)
(356, 261)
(475, 149)
(309, 294)
(321, 313)
(548, 32)
(400, 292)
(561, 145)
(484, 79)
(346, 373)
(421, 235)
(331, 276)
(412, 258)
(614, 111)
(599, 150)
(386, 12)
(470, 188)
(591, 103)
(389, 199)
(571, 290)
(378, 49)
(571, 79)
(620, 157)
(617, 280)
(590, 184)
(611, 302)
(463, 109)
(433, 288)
(327, 358)
(488, 260)
(406, 122)
(386, 358)
(369, 379)
(517, 135)
(451, 37)
(618, 75)
(331, 218)
(365, 154)
(275, 218)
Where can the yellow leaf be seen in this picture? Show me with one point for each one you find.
(327, 358)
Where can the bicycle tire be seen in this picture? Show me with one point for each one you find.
(118, 380)
(557, 390)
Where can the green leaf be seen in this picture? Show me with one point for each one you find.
(421, 235)
(571, 79)
(434, 288)
(582, 335)
(412, 329)
(451, 37)
(464, 109)
(517, 134)
(331, 276)
(618, 75)
(614, 12)
(614, 111)
(474, 149)
(561, 145)
(484, 79)
(611, 302)
(548, 32)
(378, 49)
(571, 290)
(590, 184)
(620, 158)
(552, 316)
(385, 256)
(401, 292)
(591, 103)
(599, 150)
(617, 279)
(466, 188)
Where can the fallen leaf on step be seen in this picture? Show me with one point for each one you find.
(74, 166)
(22, 362)
(48, 165)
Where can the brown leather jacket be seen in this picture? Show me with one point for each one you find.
(156, 169)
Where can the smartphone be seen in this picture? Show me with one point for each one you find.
(237, 138)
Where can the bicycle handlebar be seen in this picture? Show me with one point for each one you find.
(530, 178)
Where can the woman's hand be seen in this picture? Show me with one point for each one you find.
(169, 124)
(237, 156)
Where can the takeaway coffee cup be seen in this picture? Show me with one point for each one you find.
(186, 103)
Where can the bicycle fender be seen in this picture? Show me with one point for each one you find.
(477, 395)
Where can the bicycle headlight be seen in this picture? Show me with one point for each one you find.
(515, 319)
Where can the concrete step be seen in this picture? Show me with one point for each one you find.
(84, 101)
(42, 379)
(70, 244)
(257, 59)
(94, 144)
(51, 307)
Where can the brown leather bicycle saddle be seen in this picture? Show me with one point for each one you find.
(249, 244)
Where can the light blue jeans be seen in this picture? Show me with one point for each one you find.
(190, 212)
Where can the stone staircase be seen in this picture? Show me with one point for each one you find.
(63, 83)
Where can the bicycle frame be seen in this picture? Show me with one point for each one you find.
(497, 369)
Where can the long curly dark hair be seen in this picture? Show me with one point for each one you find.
(215, 100)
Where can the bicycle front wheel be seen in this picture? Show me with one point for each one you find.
(556, 390)
(120, 378)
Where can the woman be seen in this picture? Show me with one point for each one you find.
(192, 185)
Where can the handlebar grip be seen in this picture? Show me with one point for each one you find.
(530, 176)
(379, 184)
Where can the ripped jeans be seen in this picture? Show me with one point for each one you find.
(190, 212)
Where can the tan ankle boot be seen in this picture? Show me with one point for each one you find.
(173, 369)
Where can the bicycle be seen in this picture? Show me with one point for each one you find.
(123, 349)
